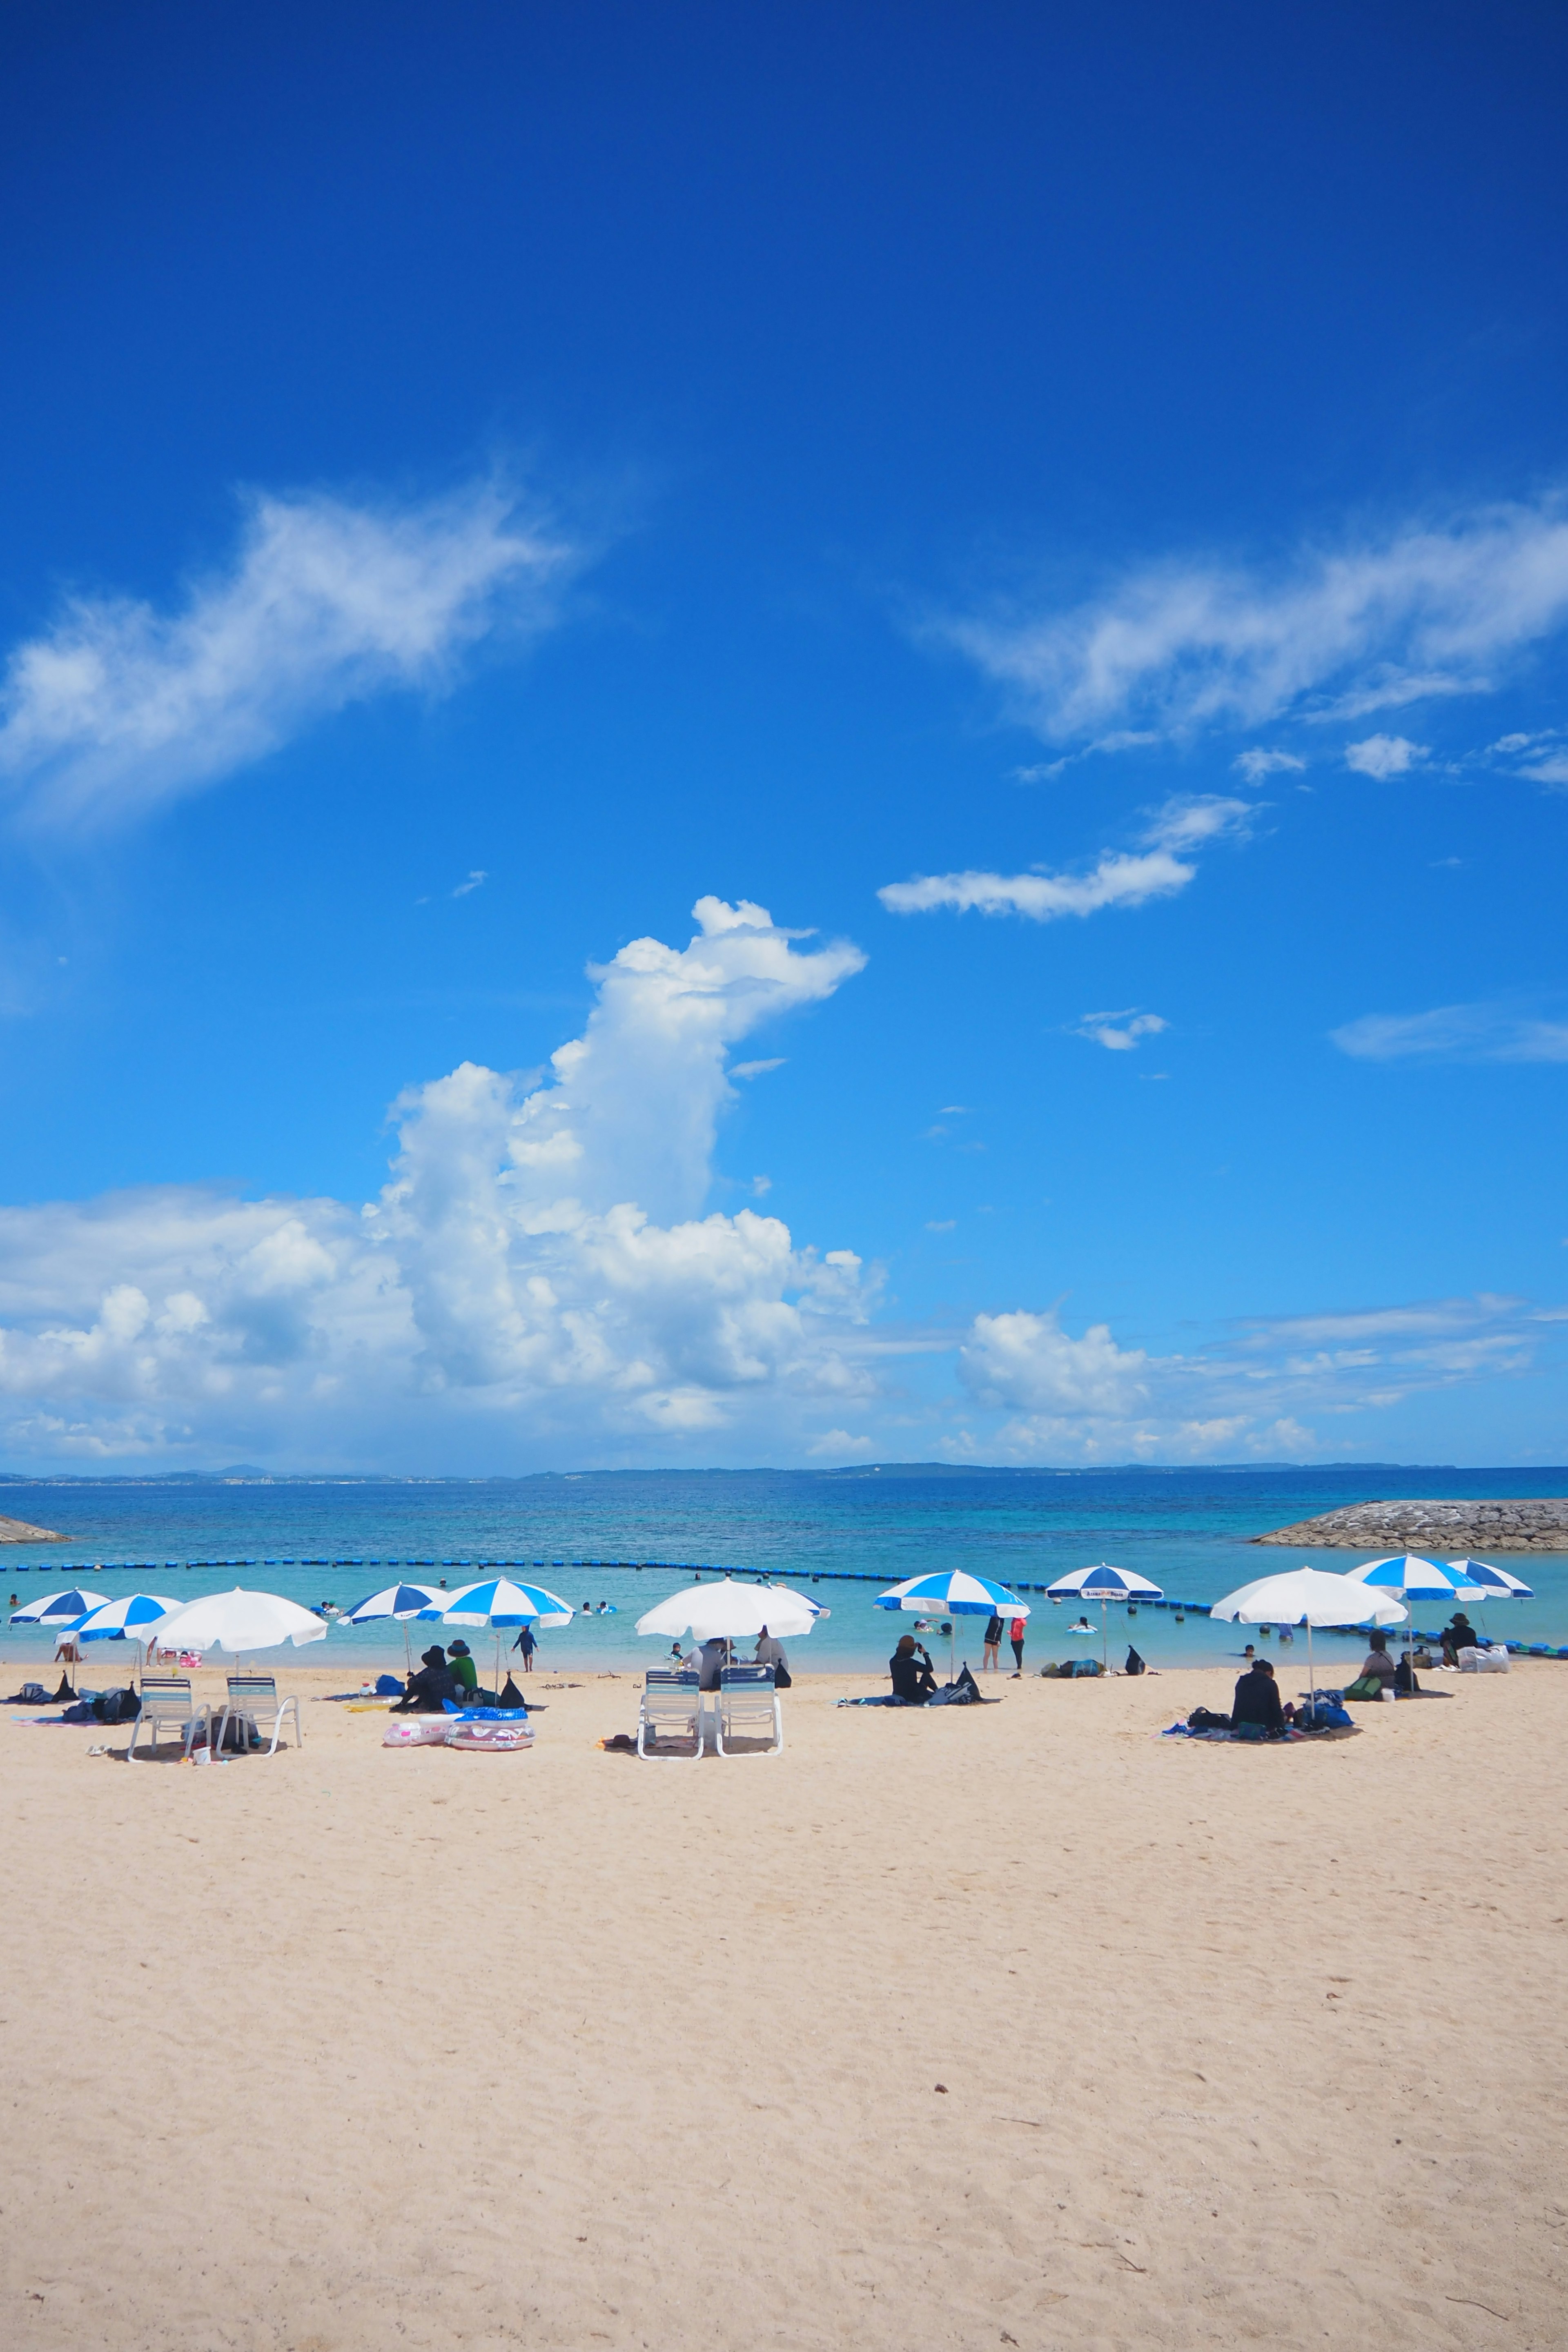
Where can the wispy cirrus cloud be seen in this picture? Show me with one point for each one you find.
(1191, 644)
(119, 706)
(1483, 1032)
(1159, 868)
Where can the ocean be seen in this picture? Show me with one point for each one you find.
(844, 1534)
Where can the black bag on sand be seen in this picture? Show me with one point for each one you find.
(117, 1706)
(782, 1678)
(510, 1695)
(1204, 1718)
(64, 1693)
(1136, 1665)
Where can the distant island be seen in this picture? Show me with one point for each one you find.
(1456, 1530)
(18, 1531)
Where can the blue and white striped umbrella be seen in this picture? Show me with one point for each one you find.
(1103, 1582)
(55, 1609)
(399, 1601)
(135, 1617)
(1497, 1583)
(1404, 1572)
(954, 1592)
(497, 1600)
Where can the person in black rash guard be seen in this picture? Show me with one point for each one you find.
(914, 1681)
(424, 1692)
(1257, 1698)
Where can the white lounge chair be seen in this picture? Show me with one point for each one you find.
(669, 1721)
(166, 1700)
(253, 1699)
(749, 1708)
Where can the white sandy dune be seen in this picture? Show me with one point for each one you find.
(361, 2048)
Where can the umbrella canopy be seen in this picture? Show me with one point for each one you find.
(135, 1617)
(239, 1620)
(400, 1601)
(1307, 1596)
(1404, 1572)
(497, 1600)
(954, 1592)
(732, 1612)
(1103, 1582)
(1497, 1583)
(55, 1609)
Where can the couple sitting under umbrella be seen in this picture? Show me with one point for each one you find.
(449, 1673)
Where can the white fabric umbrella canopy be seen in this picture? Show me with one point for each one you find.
(239, 1621)
(731, 1612)
(1308, 1596)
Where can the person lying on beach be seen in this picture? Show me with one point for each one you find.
(911, 1668)
(1256, 1698)
(463, 1665)
(423, 1693)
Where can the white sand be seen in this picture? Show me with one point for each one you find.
(364, 2048)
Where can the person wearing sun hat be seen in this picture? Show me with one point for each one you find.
(424, 1692)
(462, 1664)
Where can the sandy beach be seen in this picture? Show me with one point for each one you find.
(983, 2027)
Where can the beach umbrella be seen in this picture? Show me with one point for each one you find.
(58, 1609)
(239, 1621)
(1308, 1596)
(1496, 1583)
(133, 1618)
(732, 1612)
(954, 1592)
(1413, 1577)
(1103, 1583)
(399, 1602)
(497, 1600)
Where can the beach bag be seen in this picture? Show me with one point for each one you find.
(1204, 1718)
(1136, 1665)
(782, 1678)
(117, 1706)
(416, 1731)
(1484, 1662)
(30, 1694)
(389, 1686)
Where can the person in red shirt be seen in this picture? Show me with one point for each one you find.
(1015, 1635)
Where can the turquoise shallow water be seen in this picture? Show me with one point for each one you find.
(1188, 1530)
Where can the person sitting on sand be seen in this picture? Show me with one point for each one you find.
(1459, 1635)
(770, 1651)
(1377, 1671)
(424, 1693)
(910, 1667)
(1256, 1698)
(463, 1665)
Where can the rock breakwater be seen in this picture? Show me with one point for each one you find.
(1452, 1530)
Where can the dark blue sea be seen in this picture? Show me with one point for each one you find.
(846, 1535)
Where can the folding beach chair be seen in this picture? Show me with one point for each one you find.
(253, 1701)
(166, 1699)
(669, 1721)
(749, 1708)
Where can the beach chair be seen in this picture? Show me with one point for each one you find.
(669, 1721)
(253, 1700)
(166, 1699)
(749, 1708)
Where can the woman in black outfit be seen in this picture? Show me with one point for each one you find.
(909, 1665)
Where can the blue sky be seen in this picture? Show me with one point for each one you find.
(1072, 514)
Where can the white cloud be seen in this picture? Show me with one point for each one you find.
(1120, 879)
(1121, 1032)
(1473, 1033)
(941, 1225)
(1191, 644)
(757, 1070)
(1551, 769)
(538, 1274)
(1384, 755)
(119, 707)
(1028, 1361)
(476, 881)
(1255, 766)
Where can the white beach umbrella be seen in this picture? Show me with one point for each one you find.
(239, 1621)
(732, 1612)
(1308, 1596)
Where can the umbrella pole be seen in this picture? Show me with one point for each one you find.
(1311, 1678)
(1104, 1636)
